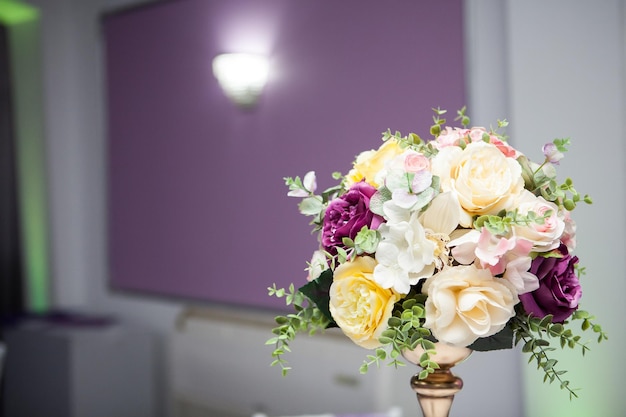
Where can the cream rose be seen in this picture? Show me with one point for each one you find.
(359, 306)
(545, 236)
(483, 178)
(465, 303)
(369, 163)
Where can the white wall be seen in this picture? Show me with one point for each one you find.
(552, 68)
(567, 78)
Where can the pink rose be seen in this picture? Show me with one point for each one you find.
(449, 137)
(416, 162)
(505, 148)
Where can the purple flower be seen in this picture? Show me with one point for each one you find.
(346, 216)
(559, 289)
(552, 153)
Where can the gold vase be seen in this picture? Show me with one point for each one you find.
(436, 392)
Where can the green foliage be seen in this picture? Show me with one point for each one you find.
(439, 121)
(462, 117)
(541, 180)
(562, 144)
(501, 224)
(536, 334)
(313, 205)
(412, 140)
(318, 292)
(588, 323)
(295, 184)
(365, 242)
(307, 318)
(501, 340)
(405, 332)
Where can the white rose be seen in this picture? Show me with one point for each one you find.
(465, 303)
(483, 178)
(359, 306)
(544, 236)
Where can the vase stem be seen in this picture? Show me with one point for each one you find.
(436, 392)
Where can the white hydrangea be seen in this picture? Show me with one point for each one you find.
(404, 255)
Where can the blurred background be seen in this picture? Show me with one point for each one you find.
(143, 212)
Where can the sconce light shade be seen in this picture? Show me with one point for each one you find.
(242, 76)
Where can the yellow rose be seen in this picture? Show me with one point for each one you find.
(359, 306)
(465, 303)
(483, 178)
(369, 163)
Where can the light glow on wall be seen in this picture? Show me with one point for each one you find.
(12, 12)
(23, 24)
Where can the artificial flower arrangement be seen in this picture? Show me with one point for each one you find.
(460, 239)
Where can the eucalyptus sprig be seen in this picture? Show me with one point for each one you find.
(439, 121)
(501, 223)
(307, 318)
(313, 204)
(405, 332)
(462, 117)
(564, 194)
(588, 323)
(536, 333)
(541, 179)
(387, 135)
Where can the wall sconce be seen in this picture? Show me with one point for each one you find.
(242, 76)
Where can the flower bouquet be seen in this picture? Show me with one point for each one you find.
(460, 240)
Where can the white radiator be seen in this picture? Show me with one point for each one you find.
(220, 368)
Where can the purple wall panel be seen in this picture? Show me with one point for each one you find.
(197, 205)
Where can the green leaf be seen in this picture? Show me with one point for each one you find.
(545, 321)
(391, 333)
(428, 345)
(558, 329)
(385, 340)
(378, 199)
(311, 206)
(318, 291)
(528, 346)
(394, 322)
(501, 340)
(550, 364)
